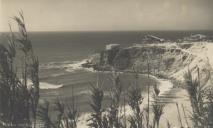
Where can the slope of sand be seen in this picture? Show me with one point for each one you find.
(210, 53)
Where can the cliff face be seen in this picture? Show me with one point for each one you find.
(171, 60)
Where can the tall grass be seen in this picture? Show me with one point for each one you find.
(43, 115)
(135, 100)
(66, 117)
(110, 117)
(157, 107)
(201, 101)
(97, 120)
(18, 99)
(114, 110)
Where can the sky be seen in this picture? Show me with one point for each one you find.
(109, 15)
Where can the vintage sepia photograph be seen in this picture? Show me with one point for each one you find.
(106, 63)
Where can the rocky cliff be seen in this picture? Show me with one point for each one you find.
(171, 60)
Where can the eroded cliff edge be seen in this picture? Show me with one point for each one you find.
(168, 60)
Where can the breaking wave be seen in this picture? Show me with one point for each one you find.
(69, 66)
(44, 85)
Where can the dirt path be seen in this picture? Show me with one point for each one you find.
(176, 96)
(172, 96)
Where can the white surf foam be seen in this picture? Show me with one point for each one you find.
(57, 65)
(77, 65)
(45, 85)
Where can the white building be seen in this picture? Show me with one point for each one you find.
(112, 46)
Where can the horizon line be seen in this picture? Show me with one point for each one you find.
(117, 30)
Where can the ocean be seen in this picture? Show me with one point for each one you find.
(61, 53)
(76, 46)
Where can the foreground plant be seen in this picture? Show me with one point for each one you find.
(96, 119)
(157, 107)
(114, 116)
(201, 102)
(135, 100)
(18, 98)
(67, 116)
